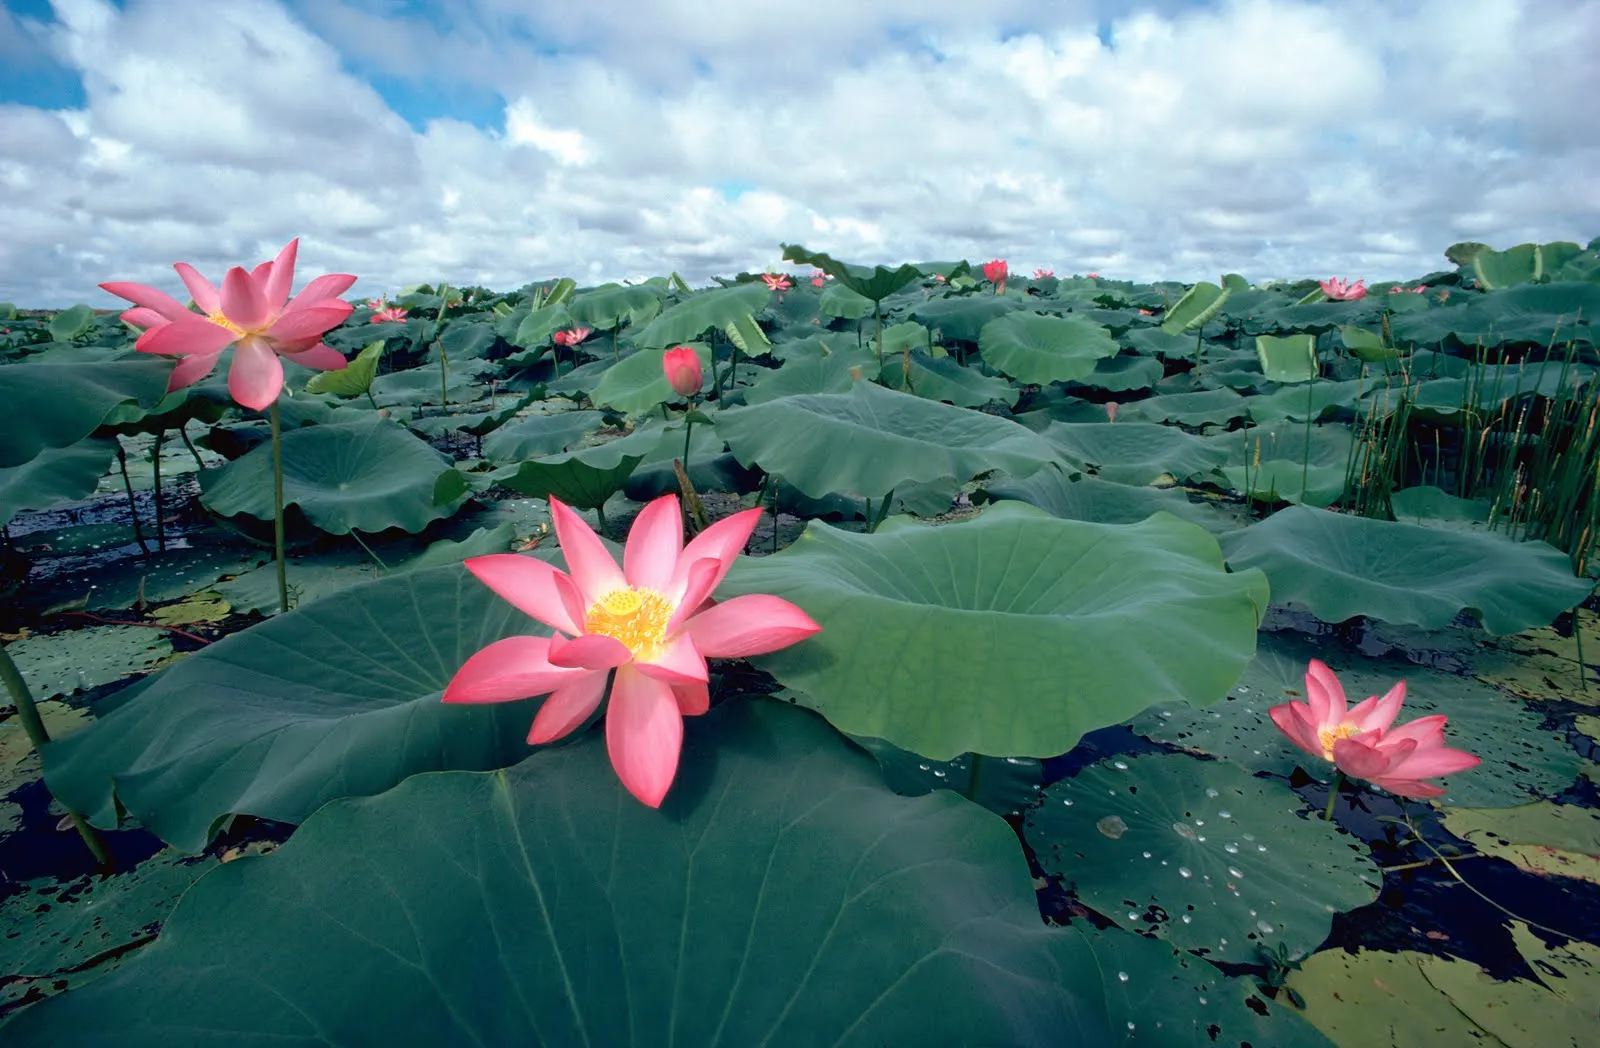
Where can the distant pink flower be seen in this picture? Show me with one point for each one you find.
(995, 272)
(820, 278)
(389, 314)
(1361, 742)
(938, 278)
(251, 312)
(1147, 312)
(1418, 290)
(374, 304)
(1040, 274)
(1444, 296)
(685, 374)
(776, 282)
(1092, 276)
(652, 621)
(1111, 410)
(1340, 291)
(572, 336)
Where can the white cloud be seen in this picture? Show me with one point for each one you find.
(1265, 137)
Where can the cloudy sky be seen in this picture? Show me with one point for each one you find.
(501, 141)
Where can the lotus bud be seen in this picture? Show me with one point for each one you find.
(683, 371)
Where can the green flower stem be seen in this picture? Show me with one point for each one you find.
(183, 434)
(444, 358)
(33, 725)
(1333, 794)
(688, 428)
(277, 506)
(133, 506)
(155, 464)
(978, 761)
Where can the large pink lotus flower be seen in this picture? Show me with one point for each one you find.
(253, 312)
(776, 282)
(572, 336)
(995, 272)
(652, 621)
(685, 374)
(1340, 291)
(1362, 743)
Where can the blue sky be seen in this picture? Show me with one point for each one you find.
(503, 141)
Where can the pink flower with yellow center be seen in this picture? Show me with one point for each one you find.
(1040, 274)
(251, 312)
(647, 627)
(1363, 743)
(571, 337)
(776, 282)
(1341, 291)
(1418, 290)
(388, 314)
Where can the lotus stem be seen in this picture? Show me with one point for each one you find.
(688, 428)
(155, 464)
(877, 315)
(277, 506)
(775, 513)
(38, 735)
(971, 791)
(1305, 458)
(616, 354)
(1464, 883)
(1333, 794)
(183, 433)
(133, 505)
(444, 358)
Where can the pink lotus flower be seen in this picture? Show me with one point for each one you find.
(1111, 410)
(776, 282)
(1340, 291)
(938, 278)
(374, 304)
(1361, 743)
(818, 279)
(683, 369)
(652, 621)
(572, 336)
(995, 272)
(1092, 276)
(253, 312)
(1040, 274)
(388, 314)
(1418, 290)
(1147, 312)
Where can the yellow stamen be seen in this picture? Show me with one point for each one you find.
(634, 615)
(1328, 736)
(223, 322)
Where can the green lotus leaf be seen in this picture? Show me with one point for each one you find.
(54, 475)
(962, 319)
(1281, 480)
(872, 439)
(638, 382)
(1290, 358)
(1041, 350)
(918, 620)
(585, 478)
(941, 378)
(57, 402)
(540, 435)
(875, 284)
(477, 423)
(355, 379)
(1314, 400)
(612, 305)
(1341, 566)
(1209, 407)
(1124, 373)
(72, 323)
(1373, 997)
(465, 339)
(1427, 505)
(1200, 853)
(1198, 305)
(706, 310)
(1367, 345)
(1520, 264)
(1135, 453)
(811, 372)
(1004, 785)
(1155, 342)
(64, 663)
(837, 300)
(367, 475)
(419, 386)
(538, 326)
(710, 466)
(339, 698)
(542, 905)
(1083, 497)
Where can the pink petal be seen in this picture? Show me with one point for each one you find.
(678, 663)
(242, 301)
(256, 377)
(1375, 713)
(513, 668)
(753, 624)
(310, 322)
(319, 356)
(192, 369)
(178, 335)
(567, 707)
(644, 735)
(1366, 757)
(654, 542)
(148, 297)
(1409, 788)
(1427, 762)
(1427, 731)
(593, 651)
(275, 288)
(200, 289)
(1292, 719)
(143, 317)
(1325, 694)
(722, 541)
(693, 699)
(530, 585)
(701, 579)
(588, 561)
(329, 285)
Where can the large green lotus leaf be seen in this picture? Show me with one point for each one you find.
(1429, 505)
(876, 284)
(63, 663)
(1200, 853)
(942, 378)
(1561, 840)
(810, 372)
(1341, 566)
(871, 439)
(1041, 350)
(465, 339)
(1314, 400)
(57, 402)
(1121, 374)
(420, 386)
(781, 896)
(477, 423)
(585, 478)
(611, 305)
(1290, 358)
(1208, 407)
(355, 378)
(837, 300)
(340, 698)
(536, 327)
(705, 310)
(1012, 633)
(367, 475)
(1288, 462)
(1373, 997)
(710, 466)
(1004, 785)
(1279, 480)
(1082, 497)
(638, 382)
(1198, 305)
(1136, 453)
(539, 435)
(1155, 342)
(1555, 1010)
(1522, 760)
(962, 319)
(54, 475)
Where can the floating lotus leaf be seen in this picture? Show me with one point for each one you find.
(1428, 505)
(962, 319)
(54, 475)
(540, 435)
(367, 475)
(1124, 373)
(1209, 407)
(1313, 400)
(1038, 349)
(1560, 840)
(63, 663)
(810, 372)
(941, 378)
(1082, 497)
(340, 698)
(55, 403)
(540, 904)
(1136, 453)
(1341, 566)
(872, 439)
(1373, 997)
(1200, 853)
(932, 636)
(585, 478)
